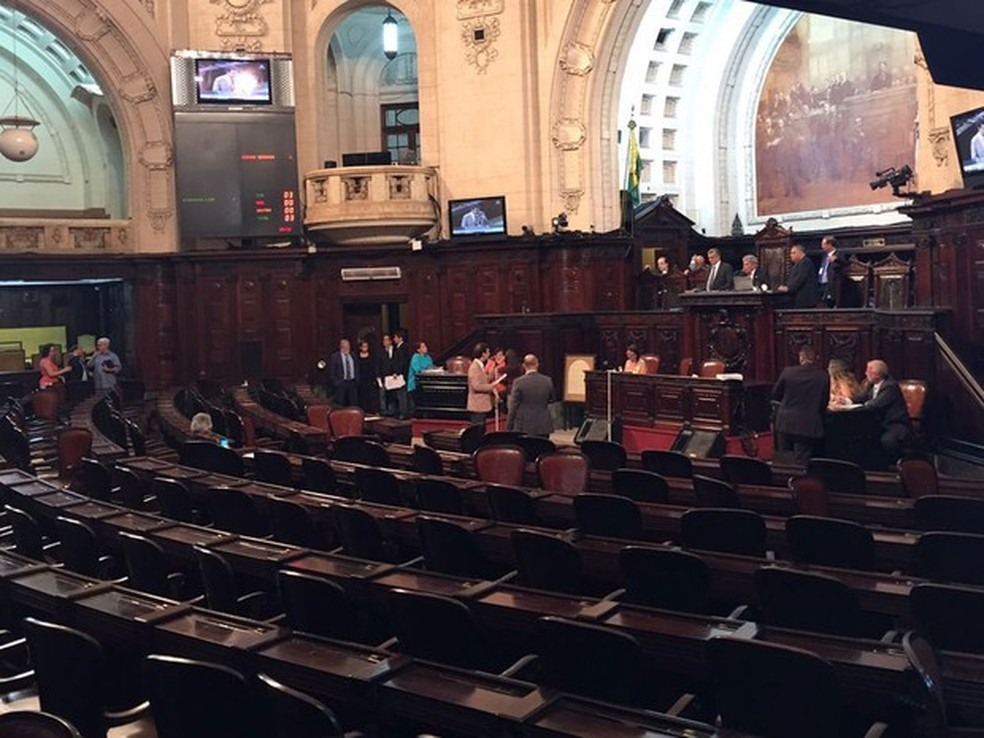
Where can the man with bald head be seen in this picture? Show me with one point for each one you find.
(529, 401)
(801, 282)
(881, 393)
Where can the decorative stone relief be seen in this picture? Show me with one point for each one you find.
(479, 35)
(320, 190)
(241, 26)
(24, 239)
(569, 134)
(468, 9)
(577, 59)
(939, 139)
(149, 6)
(356, 188)
(138, 88)
(91, 25)
(399, 187)
(90, 239)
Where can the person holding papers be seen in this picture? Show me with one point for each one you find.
(481, 392)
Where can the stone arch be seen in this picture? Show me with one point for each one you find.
(584, 107)
(117, 41)
(311, 75)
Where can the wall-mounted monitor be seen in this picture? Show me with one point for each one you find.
(478, 216)
(212, 81)
(233, 82)
(968, 134)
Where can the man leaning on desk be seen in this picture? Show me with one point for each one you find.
(881, 393)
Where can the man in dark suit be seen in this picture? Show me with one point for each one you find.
(529, 401)
(720, 276)
(831, 275)
(802, 392)
(342, 370)
(76, 360)
(881, 393)
(401, 366)
(801, 282)
(750, 268)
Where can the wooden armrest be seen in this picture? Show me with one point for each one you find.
(523, 666)
(390, 644)
(127, 716)
(682, 704)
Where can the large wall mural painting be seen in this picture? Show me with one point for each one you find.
(838, 105)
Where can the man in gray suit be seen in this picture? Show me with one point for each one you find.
(529, 399)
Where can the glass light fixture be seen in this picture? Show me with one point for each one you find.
(391, 42)
(17, 140)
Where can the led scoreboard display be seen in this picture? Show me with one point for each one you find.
(237, 174)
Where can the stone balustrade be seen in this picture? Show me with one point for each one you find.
(65, 236)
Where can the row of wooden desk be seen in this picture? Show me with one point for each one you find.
(874, 673)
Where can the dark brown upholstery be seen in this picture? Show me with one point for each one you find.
(346, 421)
(563, 472)
(914, 392)
(810, 496)
(500, 465)
(317, 415)
(46, 403)
(73, 444)
(918, 478)
(686, 366)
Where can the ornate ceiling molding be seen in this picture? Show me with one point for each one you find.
(480, 31)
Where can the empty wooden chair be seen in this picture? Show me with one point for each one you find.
(838, 475)
(725, 530)
(450, 548)
(919, 478)
(711, 368)
(33, 724)
(512, 505)
(640, 485)
(745, 470)
(195, 699)
(922, 658)
(347, 421)
(174, 500)
(564, 472)
(317, 416)
(359, 533)
(500, 465)
(439, 496)
(651, 362)
(427, 461)
(361, 450)
(293, 714)
(914, 393)
(97, 482)
(147, 567)
(949, 616)
(604, 455)
(234, 511)
(46, 404)
(949, 513)
(810, 496)
(667, 578)
(535, 446)
(221, 588)
(951, 557)
(273, 467)
(548, 562)
(133, 488)
(499, 438)
(79, 550)
(820, 541)
(378, 486)
(317, 605)
(607, 515)
(28, 540)
(667, 463)
(685, 369)
(712, 492)
(317, 475)
(72, 444)
(293, 523)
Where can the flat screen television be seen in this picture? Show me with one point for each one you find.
(232, 81)
(968, 134)
(478, 216)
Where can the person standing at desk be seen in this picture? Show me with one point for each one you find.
(720, 275)
(881, 393)
(831, 276)
(750, 268)
(803, 392)
(529, 401)
(801, 283)
(480, 390)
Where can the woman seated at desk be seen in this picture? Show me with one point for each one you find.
(201, 429)
(633, 364)
(843, 384)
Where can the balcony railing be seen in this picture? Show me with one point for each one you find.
(65, 236)
(371, 205)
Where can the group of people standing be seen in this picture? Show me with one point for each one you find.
(805, 392)
(381, 379)
(102, 367)
(527, 392)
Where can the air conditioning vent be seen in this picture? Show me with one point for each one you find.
(370, 274)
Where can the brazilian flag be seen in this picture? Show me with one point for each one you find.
(633, 167)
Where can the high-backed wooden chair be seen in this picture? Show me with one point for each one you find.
(500, 465)
(651, 362)
(46, 404)
(686, 366)
(73, 444)
(711, 368)
(919, 478)
(563, 472)
(317, 415)
(810, 496)
(914, 393)
(457, 365)
(346, 421)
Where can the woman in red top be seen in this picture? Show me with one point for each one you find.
(51, 374)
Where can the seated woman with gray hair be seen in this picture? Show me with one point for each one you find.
(201, 427)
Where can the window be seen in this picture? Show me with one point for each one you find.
(670, 107)
(646, 173)
(676, 75)
(674, 11)
(669, 172)
(646, 106)
(652, 72)
(669, 139)
(644, 134)
(401, 132)
(687, 43)
(662, 38)
(700, 12)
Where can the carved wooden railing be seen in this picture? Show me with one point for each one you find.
(65, 236)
